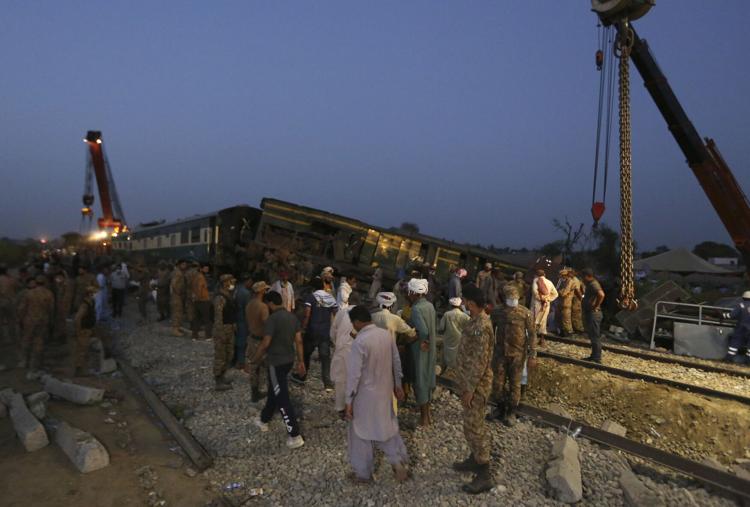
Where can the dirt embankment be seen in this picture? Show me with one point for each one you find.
(694, 426)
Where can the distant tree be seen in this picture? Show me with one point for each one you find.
(709, 249)
(71, 239)
(606, 256)
(572, 235)
(552, 249)
(409, 227)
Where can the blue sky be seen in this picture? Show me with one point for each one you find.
(475, 119)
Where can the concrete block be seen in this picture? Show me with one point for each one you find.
(6, 396)
(558, 409)
(635, 493)
(613, 427)
(106, 364)
(37, 404)
(565, 448)
(564, 471)
(28, 428)
(564, 477)
(82, 395)
(83, 449)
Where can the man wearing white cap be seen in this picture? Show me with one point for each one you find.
(423, 351)
(327, 277)
(383, 318)
(451, 325)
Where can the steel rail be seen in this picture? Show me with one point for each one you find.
(192, 448)
(719, 479)
(651, 357)
(644, 376)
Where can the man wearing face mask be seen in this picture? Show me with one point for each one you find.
(225, 322)
(515, 338)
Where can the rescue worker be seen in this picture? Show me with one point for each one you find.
(8, 293)
(177, 296)
(474, 379)
(85, 322)
(225, 322)
(200, 302)
(190, 274)
(576, 312)
(35, 310)
(84, 280)
(451, 325)
(592, 313)
(565, 288)
(327, 277)
(486, 283)
(256, 314)
(543, 293)
(515, 341)
(61, 310)
(162, 291)
(740, 338)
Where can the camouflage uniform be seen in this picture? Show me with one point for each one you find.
(85, 322)
(8, 293)
(177, 298)
(35, 314)
(516, 336)
(143, 277)
(82, 282)
(566, 304)
(62, 308)
(522, 287)
(576, 313)
(474, 375)
(225, 319)
(190, 276)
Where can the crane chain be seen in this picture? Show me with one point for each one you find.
(627, 300)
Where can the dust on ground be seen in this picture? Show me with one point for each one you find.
(692, 425)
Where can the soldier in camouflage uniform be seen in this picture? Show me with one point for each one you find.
(8, 293)
(566, 291)
(177, 291)
(85, 322)
(35, 311)
(84, 279)
(143, 277)
(576, 312)
(521, 286)
(474, 378)
(190, 275)
(515, 340)
(62, 306)
(225, 325)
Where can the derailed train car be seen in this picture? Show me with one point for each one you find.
(342, 241)
(223, 238)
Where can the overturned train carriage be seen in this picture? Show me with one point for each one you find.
(357, 246)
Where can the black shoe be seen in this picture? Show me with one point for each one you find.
(593, 359)
(510, 420)
(482, 481)
(297, 379)
(467, 465)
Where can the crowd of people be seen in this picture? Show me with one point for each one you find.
(377, 349)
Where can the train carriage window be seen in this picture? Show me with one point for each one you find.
(158, 242)
(184, 236)
(195, 235)
(172, 239)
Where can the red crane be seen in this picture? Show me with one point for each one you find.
(113, 219)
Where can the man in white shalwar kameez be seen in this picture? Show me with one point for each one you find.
(383, 318)
(373, 377)
(341, 336)
(543, 292)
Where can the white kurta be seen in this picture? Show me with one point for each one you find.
(287, 294)
(345, 290)
(384, 319)
(374, 371)
(540, 303)
(341, 336)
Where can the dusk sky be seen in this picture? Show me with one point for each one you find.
(473, 119)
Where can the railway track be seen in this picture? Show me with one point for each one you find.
(692, 388)
(653, 357)
(725, 482)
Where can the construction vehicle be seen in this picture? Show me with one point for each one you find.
(112, 222)
(703, 157)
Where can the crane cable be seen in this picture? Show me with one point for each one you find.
(605, 110)
(627, 299)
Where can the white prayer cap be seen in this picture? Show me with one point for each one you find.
(418, 286)
(327, 269)
(385, 299)
(455, 301)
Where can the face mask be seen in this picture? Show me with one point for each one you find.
(231, 287)
(511, 302)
